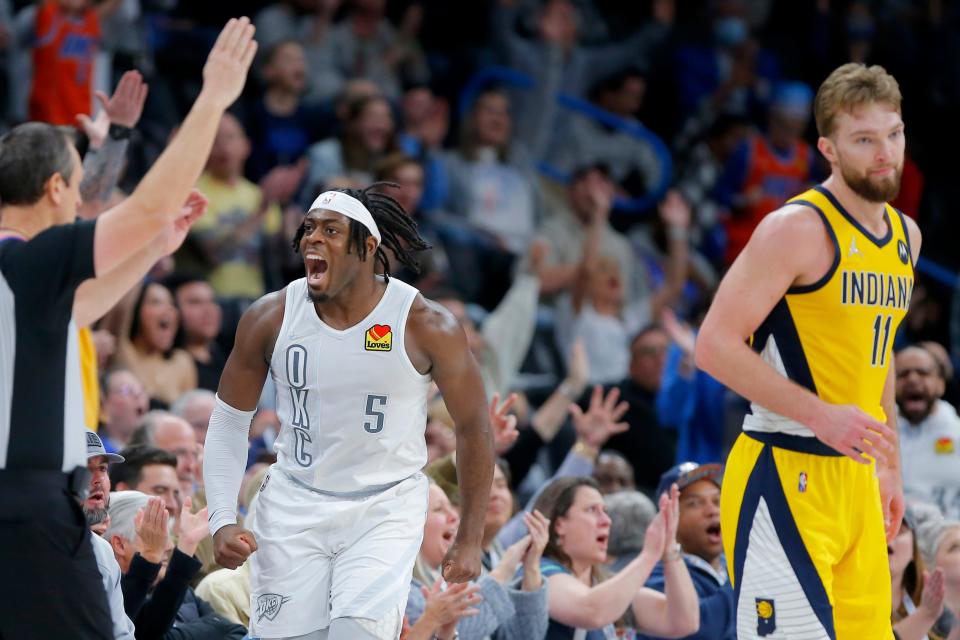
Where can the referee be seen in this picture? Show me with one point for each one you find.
(51, 586)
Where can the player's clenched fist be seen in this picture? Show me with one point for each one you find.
(232, 545)
(225, 72)
(462, 563)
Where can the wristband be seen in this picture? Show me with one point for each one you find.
(119, 132)
(585, 450)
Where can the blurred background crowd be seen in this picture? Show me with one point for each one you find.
(585, 171)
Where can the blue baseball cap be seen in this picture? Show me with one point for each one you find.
(686, 473)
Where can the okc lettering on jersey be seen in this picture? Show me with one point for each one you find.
(870, 289)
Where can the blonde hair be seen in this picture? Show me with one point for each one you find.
(850, 86)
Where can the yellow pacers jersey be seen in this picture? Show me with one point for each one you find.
(835, 336)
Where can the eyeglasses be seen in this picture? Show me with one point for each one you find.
(129, 390)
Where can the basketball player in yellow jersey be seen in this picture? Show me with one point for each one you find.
(803, 326)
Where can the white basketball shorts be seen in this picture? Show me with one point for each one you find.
(321, 557)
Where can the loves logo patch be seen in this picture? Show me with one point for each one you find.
(944, 445)
(379, 337)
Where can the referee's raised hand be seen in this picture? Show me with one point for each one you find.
(225, 72)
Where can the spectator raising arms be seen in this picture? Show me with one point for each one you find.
(580, 597)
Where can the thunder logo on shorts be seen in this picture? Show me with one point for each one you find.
(379, 337)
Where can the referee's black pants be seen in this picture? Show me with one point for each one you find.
(50, 586)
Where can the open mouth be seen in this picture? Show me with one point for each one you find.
(713, 533)
(96, 497)
(603, 539)
(914, 402)
(316, 269)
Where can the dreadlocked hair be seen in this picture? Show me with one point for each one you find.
(398, 231)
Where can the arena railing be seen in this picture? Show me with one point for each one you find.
(505, 76)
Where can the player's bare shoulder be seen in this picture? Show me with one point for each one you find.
(916, 238)
(796, 239)
(432, 331)
(260, 324)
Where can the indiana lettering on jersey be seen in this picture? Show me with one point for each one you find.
(875, 289)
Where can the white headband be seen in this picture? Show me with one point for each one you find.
(349, 206)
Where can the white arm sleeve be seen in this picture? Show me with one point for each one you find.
(224, 461)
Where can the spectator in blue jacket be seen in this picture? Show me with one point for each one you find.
(699, 536)
(690, 400)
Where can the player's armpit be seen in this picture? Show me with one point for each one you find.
(248, 364)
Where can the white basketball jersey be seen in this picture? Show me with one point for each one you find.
(352, 406)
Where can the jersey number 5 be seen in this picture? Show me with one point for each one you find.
(374, 416)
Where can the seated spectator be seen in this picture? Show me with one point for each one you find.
(166, 431)
(148, 350)
(124, 405)
(491, 185)
(649, 447)
(917, 595)
(366, 45)
(939, 542)
(593, 428)
(196, 407)
(613, 473)
(228, 591)
(280, 125)
(929, 431)
(243, 219)
(630, 513)
(699, 536)
(95, 510)
(503, 610)
(368, 135)
(171, 610)
(580, 600)
(151, 471)
(200, 323)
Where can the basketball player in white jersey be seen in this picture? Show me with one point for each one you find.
(340, 516)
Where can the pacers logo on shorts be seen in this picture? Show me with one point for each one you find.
(378, 338)
(766, 617)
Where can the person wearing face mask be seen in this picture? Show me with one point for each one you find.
(929, 432)
(502, 608)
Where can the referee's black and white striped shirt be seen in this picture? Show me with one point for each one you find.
(41, 401)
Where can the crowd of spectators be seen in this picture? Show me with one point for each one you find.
(582, 199)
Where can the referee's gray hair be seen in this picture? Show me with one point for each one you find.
(630, 513)
(123, 509)
(146, 432)
(180, 406)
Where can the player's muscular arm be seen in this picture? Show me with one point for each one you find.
(438, 339)
(128, 227)
(247, 366)
(225, 453)
(789, 247)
